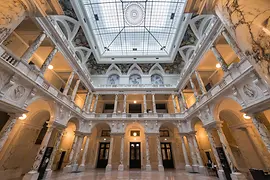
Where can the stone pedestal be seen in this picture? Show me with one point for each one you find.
(121, 167)
(67, 169)
(108, 168)
(148, 167)
(81, 168)
(74, 167)
(47, 174)
(188, 168)
(195, 168)
(221, 175)
(160, 168)
(238, 176)
(203, 170)
(31, 175)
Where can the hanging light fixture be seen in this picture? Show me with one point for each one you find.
(23, 117)
(246, 116)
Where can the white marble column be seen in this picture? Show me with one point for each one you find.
(86, 101)
(89, 103)
(7, 129)
(33, 47)
(77, 153)
(148, 165)
(125, 104)
(154, 103)
(115, 104)
(188, 168)
(174, 104)
(220, 59)
(109, 165)
(160, 163)
(195, 165)
(33, 173)
(71, 155)
(262, 130)
(194, 89)
(70, 79)
(232, 43)
(183, 100)
(202, 168)
(121, 165)
(221, 173)
(85, 150)
(48, 171)
(48, 60)
(95, 104)
(75, 90)
(144, 104)
(182, 108)
(200, 82)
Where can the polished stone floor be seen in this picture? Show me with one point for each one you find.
(132, 175)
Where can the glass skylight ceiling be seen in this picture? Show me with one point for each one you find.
(134, 28)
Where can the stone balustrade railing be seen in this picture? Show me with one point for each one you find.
(135, 86)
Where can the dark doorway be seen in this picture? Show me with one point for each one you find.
(224, 162)
(166, 152)
(135, 108)
(63, 153)
(103, 155)
(44, 162)
(135, 155)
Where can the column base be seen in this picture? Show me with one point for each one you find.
(67, 169)
(221, 175)
(81, 168)
(188, 168)
(148, 167)
(121, 167)
(108, 168)
(160, 168)
(47, 174)
(74, 167)
(31, 175)
(203, 170)
(238, 176)
(195, 168)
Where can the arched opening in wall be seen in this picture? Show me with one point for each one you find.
(134, 147)
(171, 148)
(243, 139)
(68, 139)
(21, 148)
(99, 146)
(4, 117)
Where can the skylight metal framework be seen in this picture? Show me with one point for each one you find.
(134, 28)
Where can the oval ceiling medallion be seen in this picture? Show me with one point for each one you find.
(134, 14)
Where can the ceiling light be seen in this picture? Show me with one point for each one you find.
(23, 117)
(218, 65)
(134, 134)
(246, 116)
(135, 102)
(165, 139)
(50, 67)
(137, 145)
(104, 139)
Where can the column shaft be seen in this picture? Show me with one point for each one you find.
(48, 60)
(200, 82)
(86, 101)
(71, 76)
(89, 103)
(125, 103)
(72, 150)
(219, 59)
(33, 47)
(115, 104)
(148, 165)
(174, 104)
(144, 104)
(185, 151)
(74, 93)
(122, 150)
(193, 88)
(160, 163)
(197, 151)
(7, 129)
(86, 146)
(95, 105)
(232, 43)
(183, 100)
(192, 151)
(109, 165)
(78, 150)
(154, 103)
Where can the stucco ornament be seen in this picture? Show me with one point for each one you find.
(135, 79)
(18, 92)
(249, 91)
(157, 79)
(113, 79)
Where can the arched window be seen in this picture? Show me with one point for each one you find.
(135, 79)
(113, 79)
(157, 79)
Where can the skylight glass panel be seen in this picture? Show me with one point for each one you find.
(134, 28)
